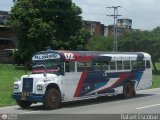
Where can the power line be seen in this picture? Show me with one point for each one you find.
(115, 16)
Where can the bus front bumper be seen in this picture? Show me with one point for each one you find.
(31, 98)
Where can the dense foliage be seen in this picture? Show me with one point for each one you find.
(135, 41)
(100, 43)
(41, 23)
(142, 41)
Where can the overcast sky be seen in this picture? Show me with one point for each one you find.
(145, 14)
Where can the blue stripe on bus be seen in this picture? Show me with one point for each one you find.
(96, 80)
(99, 85)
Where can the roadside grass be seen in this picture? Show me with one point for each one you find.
(7, 75)
(156, 80)
(158, 65)
(156, 77)
(8, 72)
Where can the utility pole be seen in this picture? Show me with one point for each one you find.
(115, 16)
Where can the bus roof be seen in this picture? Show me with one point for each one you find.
(98, 55)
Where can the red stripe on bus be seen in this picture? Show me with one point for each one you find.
(81, 82)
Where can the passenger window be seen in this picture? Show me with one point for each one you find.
(148, 65)
(119, 65)
(97, 66)
(88, 66)
(70, 66)
(81, 66)
(101, 65)
(112, 65)
(141, 64)
(126, 65)
(134, 64)
(105, 65)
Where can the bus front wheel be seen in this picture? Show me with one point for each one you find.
(128, 90)
(52, 98)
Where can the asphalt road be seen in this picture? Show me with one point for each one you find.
(145, 102)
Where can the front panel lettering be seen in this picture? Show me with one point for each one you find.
(69, 56)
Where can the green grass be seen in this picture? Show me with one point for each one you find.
(7, 75)
(156, 77)
(158, 65)
(156, 81)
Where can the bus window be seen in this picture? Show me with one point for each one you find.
(97, 66)
(126, 65)
(119, 65)
(148, 65)
(70, 66)
(88, 66)
(134, 64)
(80, 66)
(141, 64)
(112, 65)
(101, 65)
(105, 65)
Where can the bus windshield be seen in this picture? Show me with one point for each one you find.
(45, 63)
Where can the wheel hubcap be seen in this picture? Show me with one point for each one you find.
(128, 90)
(53, 98)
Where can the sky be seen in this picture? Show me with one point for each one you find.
(145, 14)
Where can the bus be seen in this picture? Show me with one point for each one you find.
(62, 76)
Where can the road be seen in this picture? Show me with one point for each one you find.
(146, 101)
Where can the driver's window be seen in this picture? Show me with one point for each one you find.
(60, 65)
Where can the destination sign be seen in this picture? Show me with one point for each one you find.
(46, 56)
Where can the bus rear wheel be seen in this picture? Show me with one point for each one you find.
(24, 104)
(52, 98)
(128, 90)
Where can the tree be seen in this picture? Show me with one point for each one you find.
(41, 23)
(155, 50)
(68, 23)
(80, 40)
(142, 41)
(100, 43)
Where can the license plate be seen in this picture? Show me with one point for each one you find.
(23, 98)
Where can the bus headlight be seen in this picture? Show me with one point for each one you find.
(39, 87)
(16, 86)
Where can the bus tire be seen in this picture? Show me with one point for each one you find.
(23, 104)
(128, 90)
(52, 99)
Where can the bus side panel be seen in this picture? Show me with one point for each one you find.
(86, 84)
(101, 82)
(70, 82)
(146, 80)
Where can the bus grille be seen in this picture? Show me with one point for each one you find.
(27, 85)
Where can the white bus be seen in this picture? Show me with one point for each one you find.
(61, 76)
